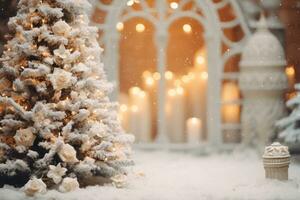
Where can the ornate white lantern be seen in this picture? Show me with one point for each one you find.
(262, 82)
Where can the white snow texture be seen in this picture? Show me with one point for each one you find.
(178, 176)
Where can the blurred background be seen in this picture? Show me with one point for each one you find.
(159, 54)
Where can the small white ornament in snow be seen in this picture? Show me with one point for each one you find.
(67, 154)
(276, 160)
(35, 186)
(24, 137)
(56, 173)
(69, 184)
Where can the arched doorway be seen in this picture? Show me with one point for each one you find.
(224, 33)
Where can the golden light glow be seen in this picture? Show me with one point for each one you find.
(290, 71)
(194, 120)
(149, 81)
(200, 60)
(179, 90)
(123, 108)
(135, 90)
(172, 92)
(230, 93)
(187, 28)
(191, 75)
(174, 5)
(156, 76)
(204, 75)
(120, 26)
(140, 28)
(134, 108)
(147, 74)
(185, 79)
(130, 2)
(169, 75)
(142, 94)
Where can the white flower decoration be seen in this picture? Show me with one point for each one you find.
(35, 186)
(61, 79)
(56, 173)
(61, 28)
(67, 154)
(24, 137)
(65, 55)
(119, 180)
(68, 185)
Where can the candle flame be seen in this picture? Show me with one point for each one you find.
(290, 71)
(194, 120)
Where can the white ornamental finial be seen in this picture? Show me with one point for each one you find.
(262, 24)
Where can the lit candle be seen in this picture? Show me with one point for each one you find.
(193, 130)
(197, 87)
(140, 115)
(230, 110)
(290, 72)
(175, 114)
(150, 85)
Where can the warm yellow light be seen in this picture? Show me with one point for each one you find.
(149, 81)
(200, 60)
(130, 2)
(174, 5)
(187, 28)
(169, 75)
(120, 26)
(204, 75)
(191, 75)
(194, 120)
(172, 92)
(231, 111)
(140, 28)
(185, 79)
(290, 71)
(134, 108)
(142, 94)
(179, 90)
(135, 90)
(123, 108)
(156, 76)
(147, 74)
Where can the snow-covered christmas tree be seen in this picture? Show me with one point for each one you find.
(58, 126)
(290, 126)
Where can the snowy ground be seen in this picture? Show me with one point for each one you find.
(178, 176)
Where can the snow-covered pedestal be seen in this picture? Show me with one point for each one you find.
(262, 82)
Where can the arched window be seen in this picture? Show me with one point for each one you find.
(215, 32)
